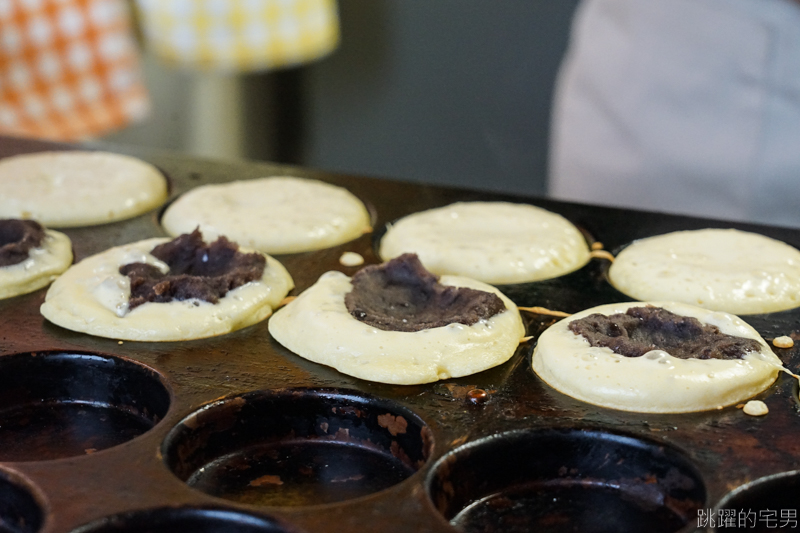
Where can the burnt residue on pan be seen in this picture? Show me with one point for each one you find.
(566, 480)
(297, 447)
(55, 405)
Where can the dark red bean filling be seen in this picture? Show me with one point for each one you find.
(196, 270)
(401, 295)
(641, 329)
(17, 239)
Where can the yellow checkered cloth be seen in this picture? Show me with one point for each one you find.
(239, 35)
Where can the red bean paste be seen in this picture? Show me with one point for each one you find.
(641, 329)
(196, 270)
(401, 295)
(17, 239)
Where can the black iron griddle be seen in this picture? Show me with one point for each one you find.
(237, 434)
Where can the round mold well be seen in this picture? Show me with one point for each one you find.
(297, 447)
(20, 511)
(193, 519)
(62, 404)
(566, 480)
(767, 504)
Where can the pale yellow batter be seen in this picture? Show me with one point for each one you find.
(42, 266)
(494, 242)
(77, 188)
(275, 215)
(92, 297)
(719, 269)
(318, 327)
(655, 382)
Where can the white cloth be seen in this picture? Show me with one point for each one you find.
(682, 106)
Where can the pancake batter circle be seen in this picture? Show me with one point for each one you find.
(276, 215)
(78, 188)
(494, 242)
(655, 382)
(719, 269)
(317, 326)
(92, 297)
(42, 266)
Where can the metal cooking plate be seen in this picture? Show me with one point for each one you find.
(565, 480)
(20, 512)
(194, 520)
(297, 447)
(55, 405)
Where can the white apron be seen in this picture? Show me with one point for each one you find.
(682, 106)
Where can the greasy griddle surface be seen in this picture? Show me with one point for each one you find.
(728, 447)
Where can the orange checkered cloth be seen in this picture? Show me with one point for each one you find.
(69, 69)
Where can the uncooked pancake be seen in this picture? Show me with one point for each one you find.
(44, 263)
(78, 188)
(318, 326)
(655, 382)
(275, 215)
(494, 242)
(720, 269)
(93, 297)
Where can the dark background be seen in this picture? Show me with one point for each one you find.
(446, 92)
